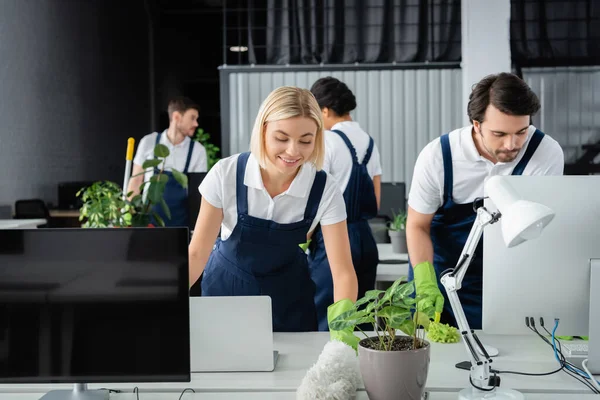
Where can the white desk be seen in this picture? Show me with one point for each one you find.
(391, 272)
(279, 396)
(21, 223)
(299, 352)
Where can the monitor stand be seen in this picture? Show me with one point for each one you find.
(593, 363)
(79, 392)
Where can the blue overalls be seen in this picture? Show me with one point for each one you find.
(450, 229)
(361, 205)
(174, 195)
(262, 257)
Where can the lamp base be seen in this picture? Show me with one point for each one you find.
(497, 394)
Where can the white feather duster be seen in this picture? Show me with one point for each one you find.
(335, 376)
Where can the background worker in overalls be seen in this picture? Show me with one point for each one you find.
(352, 158)
(449, 175)
(186, 155)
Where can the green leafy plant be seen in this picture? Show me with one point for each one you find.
(212, 151)
(397, 309)
(104, 205)
(398, 223)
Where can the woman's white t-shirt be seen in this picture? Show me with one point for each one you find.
(219, 189)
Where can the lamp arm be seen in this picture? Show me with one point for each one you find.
(480, 369)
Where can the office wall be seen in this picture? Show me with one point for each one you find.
(570, 112)
(74, 87)
(403, 109)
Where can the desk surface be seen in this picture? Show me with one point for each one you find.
(299, 352)
(21, 223)
(391, 272)
(276, 396)
(64, 213)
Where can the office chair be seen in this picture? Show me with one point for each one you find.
(32, 209)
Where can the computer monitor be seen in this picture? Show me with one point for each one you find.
(94, 306)
(67, 194)
(194, 196)
(549, 276)
(393, 199)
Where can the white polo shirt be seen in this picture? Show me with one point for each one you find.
(338, 160)
(470, 169)
(219, 189)
(177, 154)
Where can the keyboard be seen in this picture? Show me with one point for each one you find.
(574, 349)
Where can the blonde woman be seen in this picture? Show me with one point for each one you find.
(267, 202)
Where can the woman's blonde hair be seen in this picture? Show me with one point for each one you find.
(283, 103)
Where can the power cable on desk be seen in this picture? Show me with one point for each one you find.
(136, 390)
(185, 390)
(565, 365)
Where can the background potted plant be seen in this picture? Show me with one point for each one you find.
(392, 365)
(212, 151)
(397, 232)
(104, 204)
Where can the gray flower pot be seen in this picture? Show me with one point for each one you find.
(393, 375)
(398, 239)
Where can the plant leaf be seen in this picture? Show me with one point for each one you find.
(408, 327)
(162, 151)
(369, 296)
(349, 319)
(165, 208)
(403, 291)
(158, 219)
(151, 163)
(180, 177)
(395, 315)
(155, 192)
(160, 178)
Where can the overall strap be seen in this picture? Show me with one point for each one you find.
(316, 192)
(348, 143)
(448, 177)
(534, 142)
(241, 190)
(189, 157)
(369, 151)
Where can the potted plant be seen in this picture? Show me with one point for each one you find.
(104, 204)
(212, 151)
(392, 365)
(397, 232)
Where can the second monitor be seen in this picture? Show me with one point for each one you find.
(549, 277)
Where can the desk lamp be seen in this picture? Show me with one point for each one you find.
(521, 220)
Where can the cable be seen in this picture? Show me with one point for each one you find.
(480, 388)
(569, 368)
(530, 322)
(137, 392)
(111, 390)
(586, 369)
(185, 390)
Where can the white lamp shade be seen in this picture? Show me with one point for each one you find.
(524, 220)
(521, 219)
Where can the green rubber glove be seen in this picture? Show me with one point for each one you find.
(346, 335)
(564, 337)
(426, 285)
(304, 246)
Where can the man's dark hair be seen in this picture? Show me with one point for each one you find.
(181, 104)
(507, 92)
(334, 94)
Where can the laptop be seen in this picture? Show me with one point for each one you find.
(231, 334)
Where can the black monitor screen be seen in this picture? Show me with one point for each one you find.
(94, 305)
